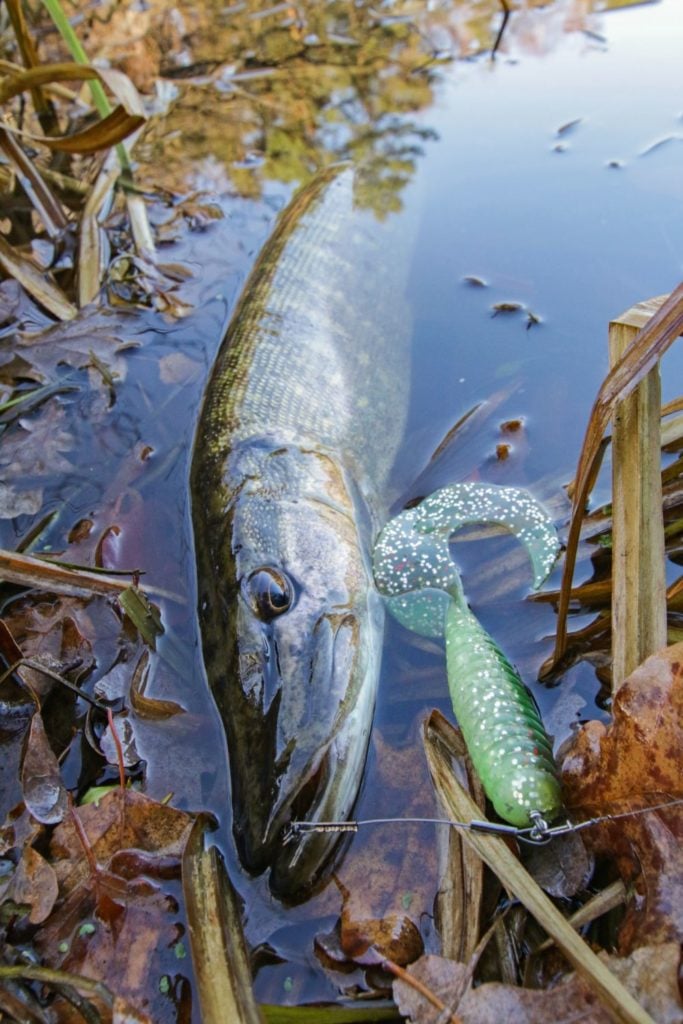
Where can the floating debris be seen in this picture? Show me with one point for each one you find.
(569, 126)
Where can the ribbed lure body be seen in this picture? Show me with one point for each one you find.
(498, 716)
(500, 722)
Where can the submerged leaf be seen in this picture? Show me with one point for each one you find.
(368, 940)
(51, 631)
(126, 737)
(132, 923)
(122, 820)
(44, 792)
(14, 502)
(386, 894)
(73, 344)
(34, 447)
(144, 706)
(123, 1012)
(33, 884)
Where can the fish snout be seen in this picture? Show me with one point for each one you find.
(328, 788)
(307, 694)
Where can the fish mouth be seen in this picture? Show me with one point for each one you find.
(322, 787)
(298, 859)
(302, 807)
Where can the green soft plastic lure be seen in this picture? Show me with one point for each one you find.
(498, 716)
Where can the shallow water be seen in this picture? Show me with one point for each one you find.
(574, 224)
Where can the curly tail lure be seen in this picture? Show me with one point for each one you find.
(497, 715)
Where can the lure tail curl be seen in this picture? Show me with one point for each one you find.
(497, 715)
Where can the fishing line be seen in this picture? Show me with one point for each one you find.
(537, 834)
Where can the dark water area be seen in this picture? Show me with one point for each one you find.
(548, 180)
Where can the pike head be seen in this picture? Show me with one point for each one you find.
(292, 634)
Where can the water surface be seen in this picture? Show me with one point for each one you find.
(548, 179)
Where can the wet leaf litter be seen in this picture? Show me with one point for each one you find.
(110, 542)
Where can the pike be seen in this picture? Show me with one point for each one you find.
(300, 424)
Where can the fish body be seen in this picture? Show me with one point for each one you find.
(299, 428)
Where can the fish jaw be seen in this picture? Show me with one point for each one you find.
(324, 776)
(297, 692)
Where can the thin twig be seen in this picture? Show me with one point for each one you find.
(119, 748)
(85, 842)
(501, 30)
(37, 666)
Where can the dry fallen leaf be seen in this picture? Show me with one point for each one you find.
(99, 333)
(562, 868)
(117, 822)
(633, 763)
(650, 974)
(446, 979)
(387, 887)
(18, 830)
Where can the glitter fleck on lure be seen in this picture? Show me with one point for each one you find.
(499, 719)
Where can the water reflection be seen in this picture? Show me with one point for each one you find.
(293, 87)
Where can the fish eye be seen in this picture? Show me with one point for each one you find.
(270, 593)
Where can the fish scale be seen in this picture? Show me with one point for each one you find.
(331, 304)
(301, 421)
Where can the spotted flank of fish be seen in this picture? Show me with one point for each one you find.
(300, 424)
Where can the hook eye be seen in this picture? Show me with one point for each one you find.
(269, 592)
